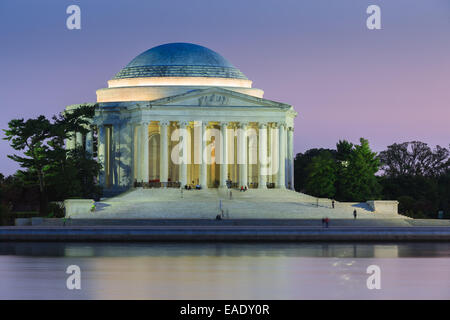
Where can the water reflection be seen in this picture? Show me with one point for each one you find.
(224, 270)
(329, 250)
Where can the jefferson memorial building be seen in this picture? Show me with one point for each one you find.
(180, 115)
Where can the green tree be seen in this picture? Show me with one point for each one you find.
(301, 163)
(356, 175)
(86, 171)
(31, 138)
(45, 160)
(344, 150)
(321, 178)
(414, 158)
(418, 177)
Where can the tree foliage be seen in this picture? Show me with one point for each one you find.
(321, 177)
(418, 177)
(44, 160)
(414, 158)
(346, 174)
(356, 172)
(301, 162)
(32, 137)
(410, 172)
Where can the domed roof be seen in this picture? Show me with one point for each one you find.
(180, 60)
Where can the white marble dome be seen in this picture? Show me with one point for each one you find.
(180, 60)
(172, 69)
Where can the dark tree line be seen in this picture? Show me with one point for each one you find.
(48, 171)
(345, 174)
(411, 172)
(417, 176)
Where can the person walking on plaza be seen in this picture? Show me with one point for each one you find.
(332, 204)
(354, 214)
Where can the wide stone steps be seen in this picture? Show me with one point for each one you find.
(206, 204)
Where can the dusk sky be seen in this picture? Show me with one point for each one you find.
(345, 81)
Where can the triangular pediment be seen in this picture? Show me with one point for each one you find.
(217, 97)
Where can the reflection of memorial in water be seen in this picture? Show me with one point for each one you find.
(223, 270)
(325, 249)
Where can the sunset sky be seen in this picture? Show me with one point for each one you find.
(345, 81)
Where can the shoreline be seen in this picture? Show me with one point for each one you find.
(255, 230)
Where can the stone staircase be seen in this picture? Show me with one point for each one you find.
(170, 203)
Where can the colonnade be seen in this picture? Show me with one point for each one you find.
(204, 153)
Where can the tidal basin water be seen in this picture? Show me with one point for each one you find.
(225, 270)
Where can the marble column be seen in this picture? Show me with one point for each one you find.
(102, 154)
(138, 153)
(125, 155)
(70, 141)
(242, 155)
(281, 182)
(115, 159)
(145, 151)
(203, 164)
(184, 158)
(89, 143)
(132, 149)
(164, 156)
(270, 163)
(223, 155)
(79, 139)
(290, 156)
(262, 154)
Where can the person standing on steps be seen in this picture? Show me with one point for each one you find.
(354, 214)
(332, 204)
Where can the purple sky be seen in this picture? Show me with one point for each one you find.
(345, 81)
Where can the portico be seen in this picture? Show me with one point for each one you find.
(163, 153)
